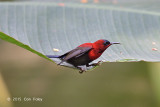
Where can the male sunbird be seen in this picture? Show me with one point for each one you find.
(84, 54)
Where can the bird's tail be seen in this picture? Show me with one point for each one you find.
(53, 56)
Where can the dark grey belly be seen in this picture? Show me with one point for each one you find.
(81, 60)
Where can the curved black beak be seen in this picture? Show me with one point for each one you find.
(115, 43)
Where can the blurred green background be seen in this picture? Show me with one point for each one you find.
(110, 85)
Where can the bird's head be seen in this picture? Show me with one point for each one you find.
(108, 43)
(104, 44)
(99, 47)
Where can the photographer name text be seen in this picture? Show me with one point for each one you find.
(26, 99)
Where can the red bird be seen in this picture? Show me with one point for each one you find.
(84, 54)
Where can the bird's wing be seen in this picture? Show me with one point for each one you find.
(77, 52)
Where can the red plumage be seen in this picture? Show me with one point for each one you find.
(84, 54)
(97, 49)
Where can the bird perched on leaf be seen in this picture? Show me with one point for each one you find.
(84, 54)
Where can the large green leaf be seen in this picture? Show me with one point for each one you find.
(44, 26)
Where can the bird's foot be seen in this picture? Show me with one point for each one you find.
(81, 70)
(96, 64)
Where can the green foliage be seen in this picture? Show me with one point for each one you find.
(40, 27)
(14, 41)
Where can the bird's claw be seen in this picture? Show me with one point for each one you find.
(100, 62)
(97, 64)
(81, 70)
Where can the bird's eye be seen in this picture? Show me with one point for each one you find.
(106, 43)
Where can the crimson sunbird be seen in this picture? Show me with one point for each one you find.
(84, 54)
